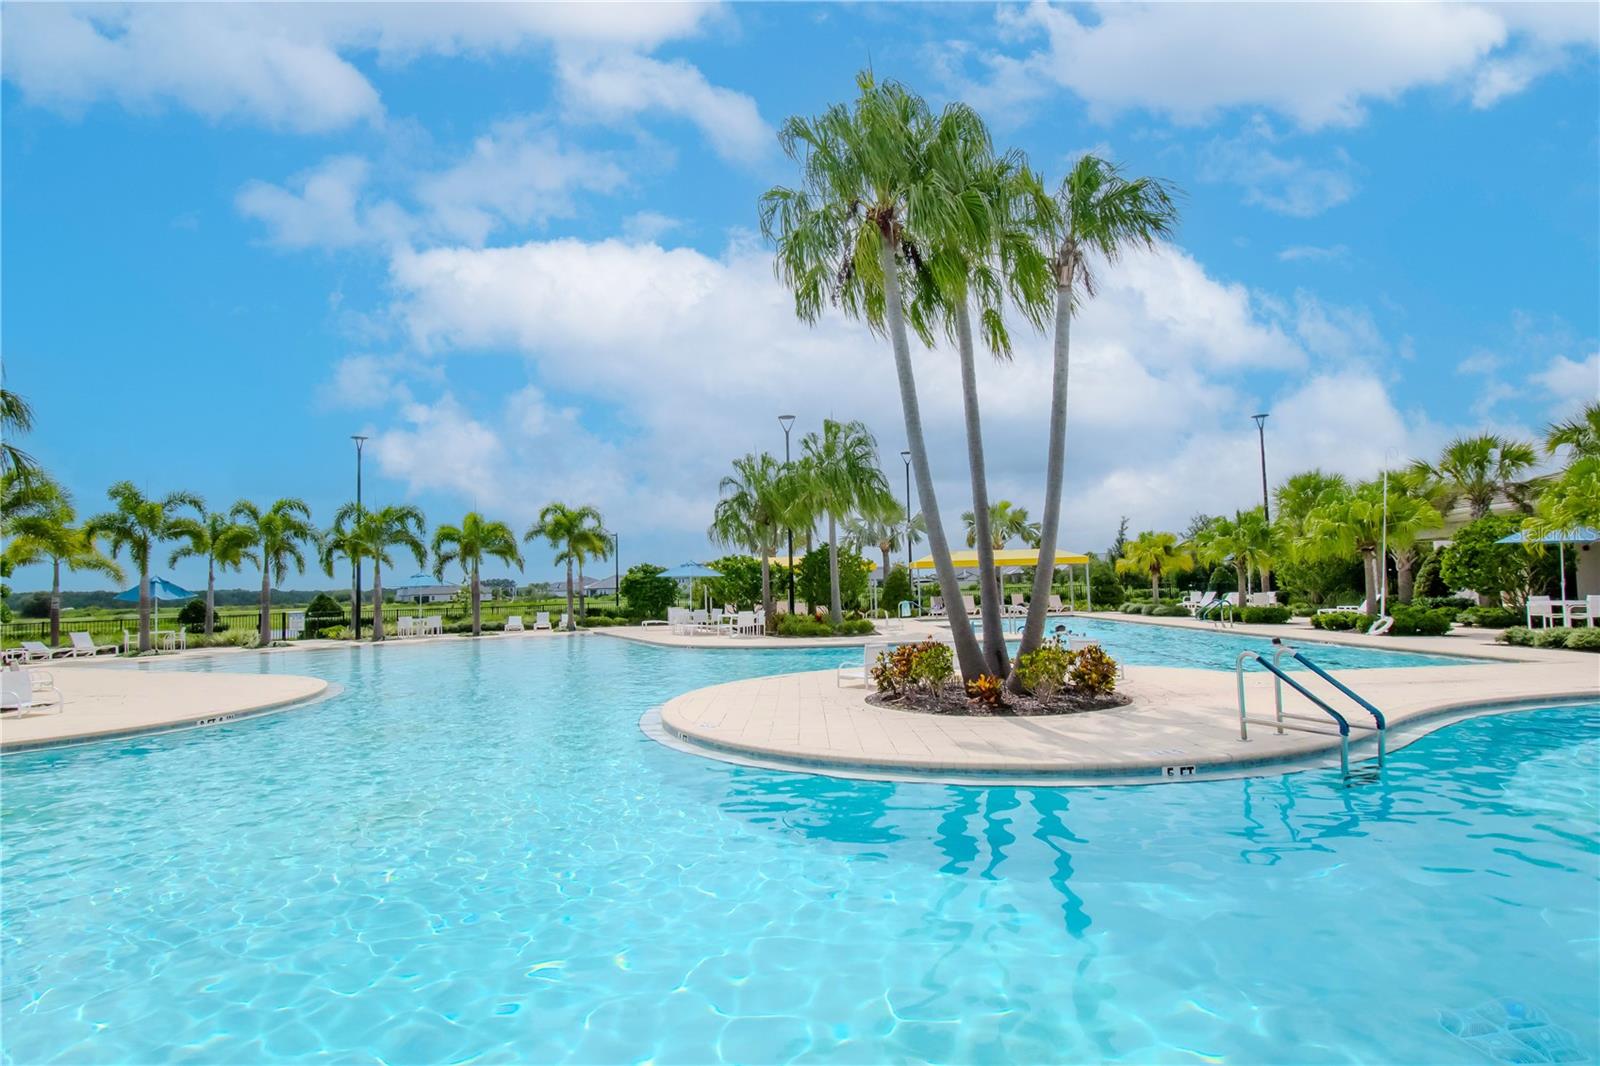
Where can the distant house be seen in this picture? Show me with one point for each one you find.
(600, 586)
(423, 588)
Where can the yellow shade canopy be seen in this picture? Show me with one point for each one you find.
(968, 560)
(783, 560)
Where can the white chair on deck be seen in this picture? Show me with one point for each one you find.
(936, 607)
(1018, 607)
(541, 620)
(562, 624)
(1055, 604)
(83, 645)
(1199, 606)
(1542, 608)
(514, 624)
(405, 626)
(860, 673)
(24, 690)
(1360, 608)
(37, 651)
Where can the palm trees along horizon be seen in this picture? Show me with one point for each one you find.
(577, 534)
(850, 233)
(136, 525)
(372, 532)
(468, 544)
(755, 502)
(1154, 555)
(275, 540)
(840, 466)
(45, 529)
(214, 537)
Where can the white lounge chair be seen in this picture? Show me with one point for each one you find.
(1018, 608)
(1055, 604)
(562, 624)
(1542, 608)
(1590, 608)
(36, 651)
(859, 673)
(1360, 608)
(83, 645)
(405, 626)
(514, 623)
(541, 620)
(1264, 599)
(971, 605)
(744, 624)
(23, 690)
(936, 608)
(1199, 606)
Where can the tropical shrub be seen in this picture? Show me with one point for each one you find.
(1412, 621)
(465, 626)
(646, 592)
(811, 577)
(896, 588)
(740, 582)
(932, 665)
(1459, 603)
(1338, 620)
(1094, 671)
(1551, 638)
(1130, 608)
(1043, 671)
(241, 638)
(987, 690)
(1521, 636)
(802, 625)
(1264, 615)
(1168, 610)
(192, 616)
(1489, 617)
(1586, 639)
(855, 627)
(35, 605)
(1475, 559)
(324, 613)
(1104, 583)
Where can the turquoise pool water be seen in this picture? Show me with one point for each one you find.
(1144, 644)
(473, 854)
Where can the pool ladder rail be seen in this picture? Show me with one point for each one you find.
(1313, 724)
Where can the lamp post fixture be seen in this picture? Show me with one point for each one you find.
(1261, 436)
(616, 571)
(787, 422)
(355, 606)
(905, 457)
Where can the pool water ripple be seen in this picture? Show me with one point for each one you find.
(473, 854)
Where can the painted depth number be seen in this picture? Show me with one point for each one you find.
(1177, 771)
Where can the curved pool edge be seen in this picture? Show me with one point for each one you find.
(1178, 728)
(311, 691)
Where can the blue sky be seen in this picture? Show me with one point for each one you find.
(516, 246)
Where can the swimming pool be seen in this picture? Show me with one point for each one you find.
(474, 852)
(1147, 644)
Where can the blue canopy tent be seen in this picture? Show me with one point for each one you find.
(1561, 538)
(160, 589)
(687, 572)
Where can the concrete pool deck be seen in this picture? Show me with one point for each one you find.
(1181, 724)
(104, 701)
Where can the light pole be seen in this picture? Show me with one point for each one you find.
(787, 422)
(355, 556)
(616, 572)
(905, 457)
(1261, 435)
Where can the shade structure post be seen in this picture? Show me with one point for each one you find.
(1088, 589)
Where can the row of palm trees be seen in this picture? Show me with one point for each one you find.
(41, 526)
(1321, 516)
(913, 221)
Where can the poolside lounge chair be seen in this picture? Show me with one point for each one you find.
(36, 651)
(1264, 599)
(1199, 606)
(936, 608)
(83, 644)
(405, 626)
(562, 624)
(1542, 608)
(1018, 607)
(861, 672)
(1361, 608)
(746, 624)
(514, 623)
(1055, 604)
(971, 605)
(541, 620)
(24, 690)
(1590, 608)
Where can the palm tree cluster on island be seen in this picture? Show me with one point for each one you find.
(40, 524)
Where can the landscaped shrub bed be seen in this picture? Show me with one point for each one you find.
(1269, 616)
(1586, 639)
(1489, 617)
(817, 625)
(1412, 621)
(1340, 620)
(921, 677)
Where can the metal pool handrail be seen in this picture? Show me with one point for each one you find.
(1380, 724)
(1280, 723)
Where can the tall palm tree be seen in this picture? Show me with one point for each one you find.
(751, 514)
(1479, 469)
(1101, 213)
(136, 525)
(1225, 540)
(338, 541)
(214, 537)
(1298, 495)
(16, 418)
(373, 532)
(274, 540)
(468, 544)
(871, 192)
(47, 532)
(577, 534)
(1007, 522)
(885, 533)
(1353, 523)
(1154, 554)
(1581, 434)
(841, 466)
(986, 250)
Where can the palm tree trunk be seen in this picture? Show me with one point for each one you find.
(355, 597)
(1055, 470)
(1405, 563)
(570, 625)
(144, 608)
(766, 590)
(583, 600)
(1369, 582)
(211, 593)
(55, 602)
(264, 637)
(377, 599)
(995, 654)
(835, 600)
(1155, 586)
(883, 546)
(968, 655)
(477, 617)
(1242, 569)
